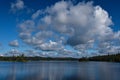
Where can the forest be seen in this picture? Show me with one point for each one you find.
(22, 58)
(108, 58)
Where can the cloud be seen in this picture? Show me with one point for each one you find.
(14, 43)
(40, 38)
(50, 46)
(83, 22)
(108, 48)
(18, 5)
(83, 47)
(83, 26)
(117, 35)
(13, 52)
(36, 14)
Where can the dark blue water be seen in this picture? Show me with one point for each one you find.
(59, 70)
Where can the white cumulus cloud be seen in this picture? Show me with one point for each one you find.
(18, 5)
(83, 26)
(14, 43)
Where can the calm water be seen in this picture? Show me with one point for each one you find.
(59, 70)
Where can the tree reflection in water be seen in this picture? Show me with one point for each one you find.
(59, 70)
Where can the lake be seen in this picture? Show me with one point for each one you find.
(59, 70)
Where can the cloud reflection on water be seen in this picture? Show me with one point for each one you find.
(50, 70)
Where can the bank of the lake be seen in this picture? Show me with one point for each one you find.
(26, 59)
(22, 58)
(107, 58)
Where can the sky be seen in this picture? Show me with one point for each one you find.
(59, 28)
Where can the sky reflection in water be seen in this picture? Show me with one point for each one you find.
(59, 70)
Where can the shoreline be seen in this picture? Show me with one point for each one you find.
(103, 58)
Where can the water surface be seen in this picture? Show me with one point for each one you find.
(59, 70)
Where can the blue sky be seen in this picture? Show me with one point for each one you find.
(58, 28)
